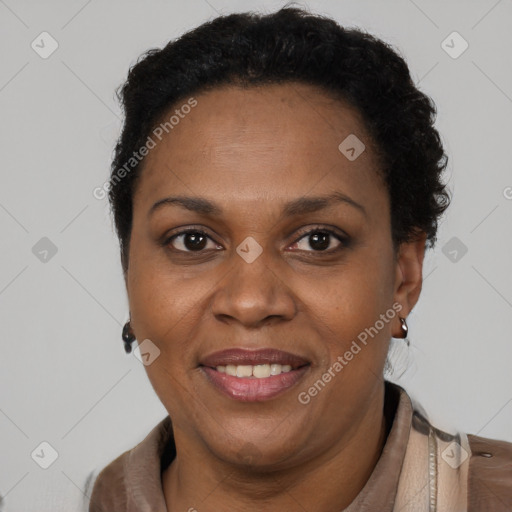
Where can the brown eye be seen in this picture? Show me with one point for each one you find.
(191, 240)
(320, 240)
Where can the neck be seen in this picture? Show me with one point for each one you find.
(220, 487)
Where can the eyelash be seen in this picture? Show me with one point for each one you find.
(344, 241)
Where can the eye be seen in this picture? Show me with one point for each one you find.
(191, 240)
(320, 240)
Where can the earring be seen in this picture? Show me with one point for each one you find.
(404, 329)
(128, 337)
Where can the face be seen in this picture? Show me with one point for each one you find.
(261, 269)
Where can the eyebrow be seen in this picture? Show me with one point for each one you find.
(298, 206)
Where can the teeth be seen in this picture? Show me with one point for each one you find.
(275, 369)
(259, 371)
(244, 371)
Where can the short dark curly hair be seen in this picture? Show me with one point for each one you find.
(293, 45)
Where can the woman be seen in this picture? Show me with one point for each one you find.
(274, 189)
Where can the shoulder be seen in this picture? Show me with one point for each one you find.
(134, 476)
(485, 477)
(490, 475)
(106, 486)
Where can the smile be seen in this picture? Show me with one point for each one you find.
(257, 383)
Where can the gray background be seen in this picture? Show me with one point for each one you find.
(64, 376)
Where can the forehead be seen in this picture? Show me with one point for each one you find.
(267, 143)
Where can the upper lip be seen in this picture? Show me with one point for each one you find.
(240, 356)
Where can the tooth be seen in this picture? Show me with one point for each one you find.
(261, 370)
(275, 369)
(231, 370)
(244, 371)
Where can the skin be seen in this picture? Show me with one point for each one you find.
(250, 151)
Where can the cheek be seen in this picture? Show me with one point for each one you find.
(167, 311)
(348, 306)
(160, 313)
(156, 298)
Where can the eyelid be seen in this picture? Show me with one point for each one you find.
(322, 227)
(340, 235)
(168, 238)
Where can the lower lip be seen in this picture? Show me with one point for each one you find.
(248, 389)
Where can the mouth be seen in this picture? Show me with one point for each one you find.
(253, 375)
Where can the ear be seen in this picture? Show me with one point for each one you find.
(408, 277)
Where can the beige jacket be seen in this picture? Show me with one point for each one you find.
(421, 469)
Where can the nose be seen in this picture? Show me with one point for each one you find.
(253, 294)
